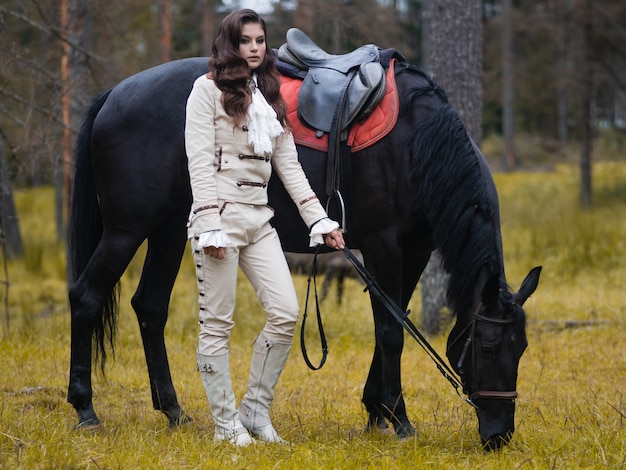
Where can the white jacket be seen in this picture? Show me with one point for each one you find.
(222, 164)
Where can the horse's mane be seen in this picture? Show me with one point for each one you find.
(453, 193)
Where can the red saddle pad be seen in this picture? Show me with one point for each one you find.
(362, 134)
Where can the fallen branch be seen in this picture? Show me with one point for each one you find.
(566, 324)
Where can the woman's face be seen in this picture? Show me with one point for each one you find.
(252, 45)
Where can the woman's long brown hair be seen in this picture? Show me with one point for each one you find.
(230, 70)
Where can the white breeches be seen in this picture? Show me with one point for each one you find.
(256, 248)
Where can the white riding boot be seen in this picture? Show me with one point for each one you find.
(267, 363)
(215, 374)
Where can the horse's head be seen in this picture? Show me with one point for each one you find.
(485, 350)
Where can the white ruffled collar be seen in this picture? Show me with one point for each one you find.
(263, 125)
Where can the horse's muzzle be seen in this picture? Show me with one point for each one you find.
(496, 442)
(496, 422)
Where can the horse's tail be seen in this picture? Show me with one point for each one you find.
(85, 228)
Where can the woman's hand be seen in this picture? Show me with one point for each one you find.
(214, 252)
(334, 240)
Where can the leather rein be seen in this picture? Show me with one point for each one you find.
(458, 382)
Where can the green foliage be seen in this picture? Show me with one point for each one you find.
(571, 412)
(534, 151)
(549, 224)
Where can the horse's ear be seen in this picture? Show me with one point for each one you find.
(491, 291)
(528, 286)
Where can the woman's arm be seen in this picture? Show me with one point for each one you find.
(201, 154)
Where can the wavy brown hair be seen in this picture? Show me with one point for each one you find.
(230, 70)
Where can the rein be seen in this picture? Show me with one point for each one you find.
(402, 317)
(320, 326)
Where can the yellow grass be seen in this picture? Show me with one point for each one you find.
(572, 407)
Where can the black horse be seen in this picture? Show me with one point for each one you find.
(424, 186)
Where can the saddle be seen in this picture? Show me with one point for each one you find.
(337, 90)
(362, 133)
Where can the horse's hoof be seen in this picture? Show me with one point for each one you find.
(385, 431)
(89, 425)
(381, 428)
(495, 442)
(405, 431)
(182, 420)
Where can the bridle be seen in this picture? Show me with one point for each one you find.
(459, 383)
(471, 343)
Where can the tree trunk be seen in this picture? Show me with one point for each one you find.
(66, 105)
(583, 20)
(509, 159)
(208, 25)
(563, 66)
(304, 19)
(75, 73)
(77, 86)
(454, 57)
(165, 22)
(10, 235)
(434, 282)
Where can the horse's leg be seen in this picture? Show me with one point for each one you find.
(341, 275)
(151, 303)
(328, 281)
(382, 395)
(88, 296)
(372, 392)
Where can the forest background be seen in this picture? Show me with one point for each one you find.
(552, 43)
(552, 74)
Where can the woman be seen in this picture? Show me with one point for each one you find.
(235, 135)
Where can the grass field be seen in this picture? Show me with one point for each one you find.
(571, 411)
